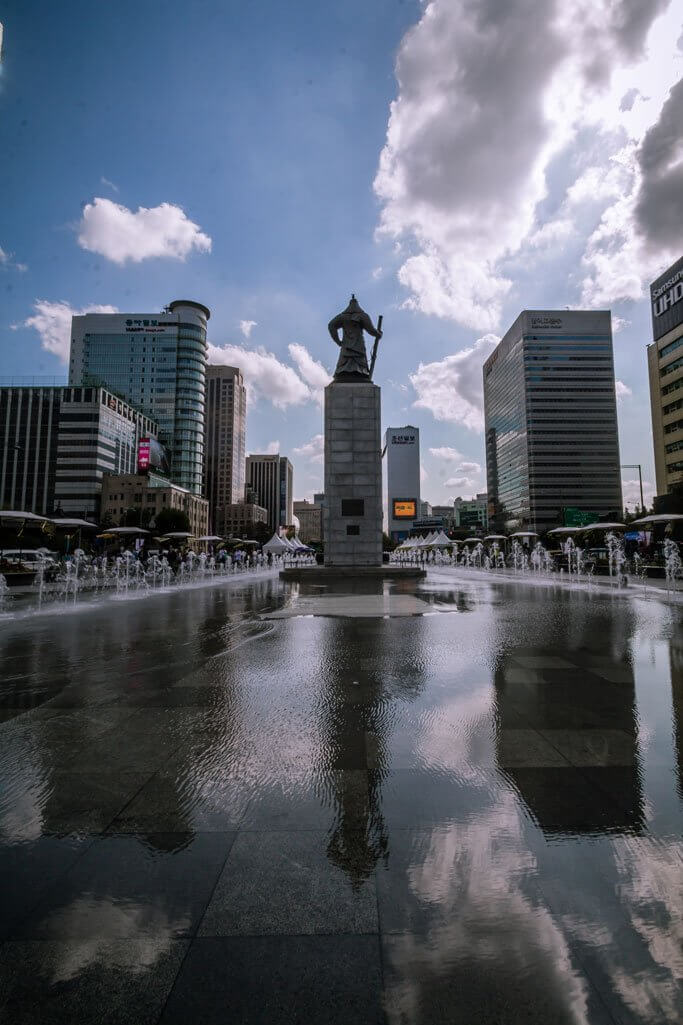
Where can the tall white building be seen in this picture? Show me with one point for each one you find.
(552, 444)
(157, 362)
(402, 449)
(224, 438)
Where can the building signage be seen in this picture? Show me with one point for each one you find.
(666, 296)
(664, 300)
(574, 517)
(546, 322)
(143, 454)
(405, 508)
(143, 325)
(403, 439)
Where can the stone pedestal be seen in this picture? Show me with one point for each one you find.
(353, 475)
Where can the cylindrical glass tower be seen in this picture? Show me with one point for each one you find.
(188, 439)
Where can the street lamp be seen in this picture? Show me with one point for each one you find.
(636, 466)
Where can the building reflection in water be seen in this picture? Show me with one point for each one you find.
(676, 664)
(567, 737)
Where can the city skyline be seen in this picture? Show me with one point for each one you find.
(271, 221)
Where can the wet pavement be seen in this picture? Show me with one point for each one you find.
(454, 802)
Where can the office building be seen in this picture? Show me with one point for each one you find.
(271, 479)
(425, 509)
(402, 449)
(665, 365)
(56, 444)
(551, 421)
(224, 433)
(148, 494)
(156, 362)
(310, 517)
(471, 512)
(446, 514)
(241, 519)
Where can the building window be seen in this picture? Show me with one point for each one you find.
(353, 530)
(353, 507)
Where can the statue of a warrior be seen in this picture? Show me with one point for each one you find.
(352, 364)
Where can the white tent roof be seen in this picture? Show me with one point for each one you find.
(442, 541)
(276, 544)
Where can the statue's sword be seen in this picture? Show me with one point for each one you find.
(374, 348)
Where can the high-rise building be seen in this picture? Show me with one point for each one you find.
(224, 433)
(56, 444)
(552, 441)
(271, 478)
(157, 362)
(402, 448)
(665, 364)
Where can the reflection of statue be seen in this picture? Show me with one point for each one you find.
(352, 364)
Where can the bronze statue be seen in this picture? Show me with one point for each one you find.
(352, 364)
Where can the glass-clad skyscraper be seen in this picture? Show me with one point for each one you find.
(552, 445)
(157, 362)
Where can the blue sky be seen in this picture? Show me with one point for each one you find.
(451, 163)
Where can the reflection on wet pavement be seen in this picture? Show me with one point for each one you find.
(366, 812)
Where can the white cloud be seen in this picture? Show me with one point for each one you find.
(444, 452)
(469, 468)
(451, 388)
(109, 184)
(377, 273)
(8, 263)
(52, 321)
(247, 326)
(464, 174)
(313, 373)
(457, 482)
(118, 234)
(622, 390)
(272, 448)
(313, 450)
(264, 374)
(631, 493)
(619, 323)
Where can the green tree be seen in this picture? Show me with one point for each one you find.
(169, 521)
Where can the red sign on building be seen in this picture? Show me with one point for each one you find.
(143, 454)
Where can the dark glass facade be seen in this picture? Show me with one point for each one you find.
(551, 420)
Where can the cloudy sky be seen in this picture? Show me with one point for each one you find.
(451, 162)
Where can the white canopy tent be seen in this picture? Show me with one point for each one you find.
(277, 545)
(442, 541)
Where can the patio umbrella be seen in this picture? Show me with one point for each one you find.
(525, 533)
(564, 530)
(496, 537)
(604, 526)
(209, 537)
(179, 535)
(654, 518)
(126, 531)
(80, 524)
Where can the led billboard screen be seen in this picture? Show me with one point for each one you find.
(405, 508)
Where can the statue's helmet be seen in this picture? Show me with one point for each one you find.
(353, 306)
